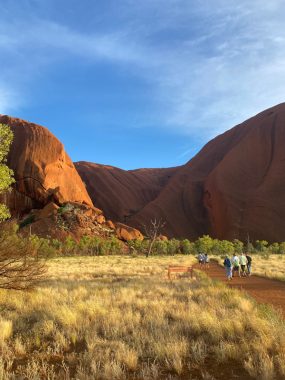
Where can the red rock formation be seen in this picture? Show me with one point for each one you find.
(127, 233)
(45, 179)
(43, 170)
(122, 193)
(233, 188)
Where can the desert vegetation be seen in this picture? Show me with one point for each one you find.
(6, 174)
(271, 266)
(102, 246)
(120, 318)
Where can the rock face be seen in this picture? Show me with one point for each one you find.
(233, 188)
(43, 171)
(49, 197)
(73, 219)
(127, 233)
(122, 193)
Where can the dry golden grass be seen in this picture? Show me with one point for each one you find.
(120, 318)
(272, 267)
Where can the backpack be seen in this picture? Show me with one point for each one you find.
(227, 263)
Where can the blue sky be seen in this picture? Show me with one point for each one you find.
(140, 83)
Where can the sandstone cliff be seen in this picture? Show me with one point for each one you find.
(122, 193)
(43, 170)
(233, 188)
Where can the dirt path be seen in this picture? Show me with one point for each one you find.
(262, 289)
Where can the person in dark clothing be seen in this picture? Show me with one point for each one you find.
(228, 267)
(249, 261)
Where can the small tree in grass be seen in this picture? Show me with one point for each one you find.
(282, 248)
(238, 246)
(173, 247)
(152, 231)
(261, 245)
(204, 244)
(20, 265)
(186, 247)
(274, 248)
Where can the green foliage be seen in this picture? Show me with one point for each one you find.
(204, 244)
(282, 248)
(136, 246)
(6, 138)
(173, 247)
(160, 247)
(250, 248)
(4, 212)
(186, 247)
(6, 174)
(274, 248)
(238, 246)
(226, 247)
(98, 246)
(261, 245)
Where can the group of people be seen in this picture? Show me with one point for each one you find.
(203, 259)
(238, 264)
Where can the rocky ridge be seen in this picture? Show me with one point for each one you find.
(233, 188)
(49, 195)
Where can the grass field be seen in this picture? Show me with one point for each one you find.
(120, 318)
(272, 267)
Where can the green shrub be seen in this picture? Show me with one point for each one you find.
(186, 247)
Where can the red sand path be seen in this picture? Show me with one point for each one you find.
(264, 290)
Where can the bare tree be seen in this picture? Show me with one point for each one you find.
(20, 266)
(152, 231)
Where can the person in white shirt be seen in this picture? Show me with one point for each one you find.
(236, 264)
(243, 263)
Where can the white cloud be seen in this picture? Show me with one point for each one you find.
(9, 100)
(214, 65)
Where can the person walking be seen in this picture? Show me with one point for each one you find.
(201, 259)
(249, 261)
(236, 264)
(243, 263)
(228, 267)
(207, 261)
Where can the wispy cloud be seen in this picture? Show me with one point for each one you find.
(9, 100)
(210, 66)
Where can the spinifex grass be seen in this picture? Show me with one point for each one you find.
(120, 318)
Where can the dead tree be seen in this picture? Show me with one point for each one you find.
(152, 231)
(20, 265)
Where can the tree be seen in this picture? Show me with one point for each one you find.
(152, 231)
(238, 246)
(282, 248)
(159, 247)
(6, 174)
(20, 265)
(274, 248)
(204, 244)
(173, 246)
(261, 245)
(186, 247)
(226, 247)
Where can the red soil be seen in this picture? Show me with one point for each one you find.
(263, 289)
